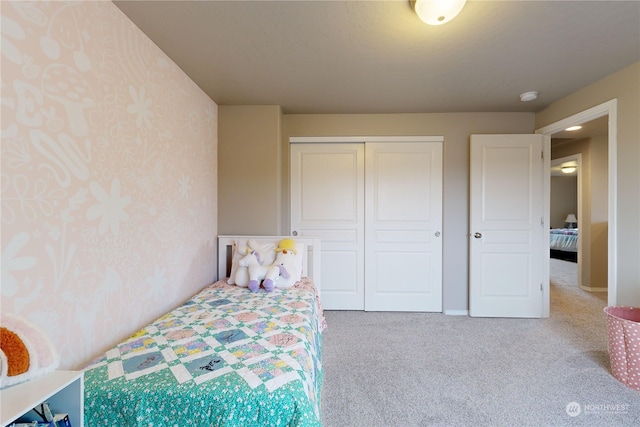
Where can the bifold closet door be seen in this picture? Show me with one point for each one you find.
(327, 201)
(403, 226)
(381, 242)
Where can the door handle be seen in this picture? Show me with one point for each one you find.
(477, 235)
(294, 233)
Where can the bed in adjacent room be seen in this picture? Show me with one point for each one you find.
(228, 356)
(563, 243)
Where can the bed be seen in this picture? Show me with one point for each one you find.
(226, 357)
(563, 243)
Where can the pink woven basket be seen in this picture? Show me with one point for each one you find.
(624, 344)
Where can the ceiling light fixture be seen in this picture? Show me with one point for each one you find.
(570, 128)
(437, 12)
(529, 96)
(568, 169)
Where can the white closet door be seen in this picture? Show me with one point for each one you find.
(327, 194)
(403, 205)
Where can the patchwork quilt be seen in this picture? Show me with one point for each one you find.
(227, 357)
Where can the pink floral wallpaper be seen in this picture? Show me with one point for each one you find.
(109, 165)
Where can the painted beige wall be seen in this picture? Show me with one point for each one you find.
(249, 170)
(456, 129)
(108, 176)
(624, 86)
(564, 199)
(599, 186)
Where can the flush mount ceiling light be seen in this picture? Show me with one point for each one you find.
(529, 96)
(437, 12)
(570, 128)
(568, 169)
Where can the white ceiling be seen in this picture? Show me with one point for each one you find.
(378, 57)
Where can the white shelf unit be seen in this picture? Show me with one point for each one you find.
(63, 390)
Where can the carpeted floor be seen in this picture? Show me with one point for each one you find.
(565, 274)
(428, 369)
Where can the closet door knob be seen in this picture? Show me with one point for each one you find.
(477, 235)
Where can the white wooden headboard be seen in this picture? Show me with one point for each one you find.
(310, 262)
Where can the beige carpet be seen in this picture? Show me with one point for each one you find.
(428, 369)
(565, 274)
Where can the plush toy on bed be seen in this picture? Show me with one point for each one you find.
(239, 275)
(257, 262)
(284, 271)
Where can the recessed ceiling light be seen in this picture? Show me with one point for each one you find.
(529, 96)
(570, 128)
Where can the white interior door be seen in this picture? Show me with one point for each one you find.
(403, 217)
(327, 201)
(509, 237)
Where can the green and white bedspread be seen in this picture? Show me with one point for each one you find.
(227, 357)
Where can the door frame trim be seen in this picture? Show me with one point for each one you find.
(609, 108)
(352, 139)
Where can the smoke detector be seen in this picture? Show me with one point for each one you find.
(529, 96)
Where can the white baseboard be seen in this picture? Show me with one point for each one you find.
(456, 312)
(594, 288)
